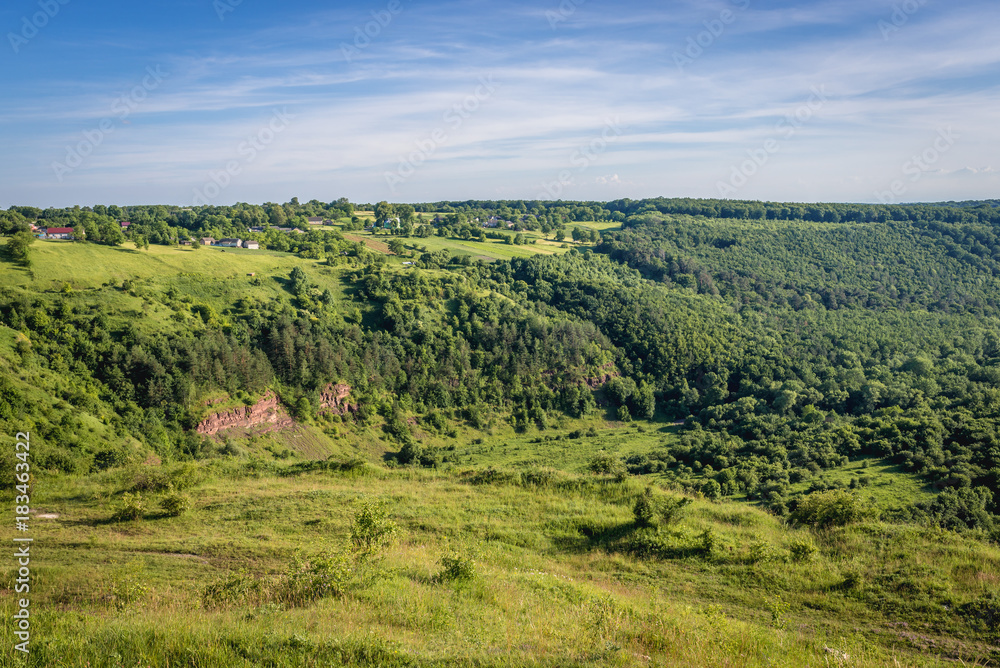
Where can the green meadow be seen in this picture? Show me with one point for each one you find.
(538, 568)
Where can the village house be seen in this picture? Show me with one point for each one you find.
(207, 241)
(229, 243)
(252, 245)
(124, 224)
(59, 233)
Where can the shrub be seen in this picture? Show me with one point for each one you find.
(372, 531)
(410, 453)
(186, 475)
(802, 550)
(175, 504)
(651, 509)
(148, 479)
(711, 489)
(126, 586)
(326, 574)
(110, 458)
(760, 552)
(708, 541)
(538, 477)
(240, 588)
(456, 568)
(607, 464)
(131, 509)
(826, 509)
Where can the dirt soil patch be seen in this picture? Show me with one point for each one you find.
(374, 244)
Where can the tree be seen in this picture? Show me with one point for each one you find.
(111, 234)
(396, 246)
(643, 401)
(17, 247)
(276, 215)
(383, 212)
(299, 280)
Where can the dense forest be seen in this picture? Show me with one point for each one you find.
(790, 339)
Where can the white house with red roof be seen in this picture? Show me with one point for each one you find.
(59, 233)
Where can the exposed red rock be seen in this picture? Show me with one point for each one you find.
(267, 412)
(333, 399)
(597, 381)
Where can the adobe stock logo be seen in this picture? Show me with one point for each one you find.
(248, 151)
(38, 20)
(901, 14)
(918, 165)
(455, 117)
(565, 10)
(714, 29)
(788, 127)
(363, 35)
(582, 158)
(121, 109)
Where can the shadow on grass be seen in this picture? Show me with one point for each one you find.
(591, 537)
(110, 521)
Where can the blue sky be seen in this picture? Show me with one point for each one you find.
(219, 101)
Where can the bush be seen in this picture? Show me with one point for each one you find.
(760, 552)
(802, 550)
(131, 509)
(708, 542)
(240, 588)
(651, 509)
(372, 531)
(175, 504)
(456, 568)
(538, 477)
(126, 586)
(148, 479)
(323, 575)
(711, 489)
(826, 509)
(607, 464)
(110, 458)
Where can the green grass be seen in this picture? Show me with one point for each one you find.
(566, 446)
(490, 249)
(90, 266)
(601, 226)
(887, 485)
(555, 583)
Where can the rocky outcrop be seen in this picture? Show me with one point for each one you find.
(267, 413)
(333, 399)
(596, 382)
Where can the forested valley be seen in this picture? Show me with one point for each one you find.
(775, 355)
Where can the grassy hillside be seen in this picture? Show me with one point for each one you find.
(546, 570)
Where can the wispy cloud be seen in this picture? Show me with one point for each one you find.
(354, 120)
